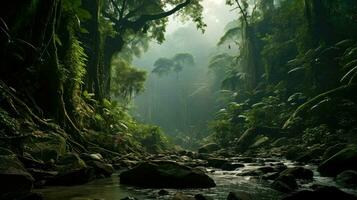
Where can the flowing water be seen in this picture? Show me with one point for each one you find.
(227, 181)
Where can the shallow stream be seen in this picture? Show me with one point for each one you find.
(227, 181)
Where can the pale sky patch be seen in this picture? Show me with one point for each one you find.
(216, 15)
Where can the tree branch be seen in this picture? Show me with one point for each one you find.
(116, 6)
(133, 12)
(121, 13)
(142, 20)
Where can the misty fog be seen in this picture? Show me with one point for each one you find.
(184, 103)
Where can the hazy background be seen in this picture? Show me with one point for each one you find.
(184, 104)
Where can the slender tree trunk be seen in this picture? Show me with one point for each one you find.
(51, 71)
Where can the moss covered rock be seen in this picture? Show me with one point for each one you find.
(96, 161)
(347, 178)
(165, 174)
(72, 171)
(345, 159)
(298, 173)
(15, 181)
(285, 183)
(46, 146)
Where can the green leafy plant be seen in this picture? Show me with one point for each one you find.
(317, 135)
(126, 80)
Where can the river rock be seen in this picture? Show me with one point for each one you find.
(96, 161)
(182, 152)
(227, 153)
(294, 151)
(239, 196)
(285, 183)
(266, 169)
(216, 162)
(203, 156)
(124, 164)
(324, 192)
(101, 168)
(209, 148)
(266, 172)
(310, 155)
(298, 173)
(231, 166)
(332, 150)
(165, 174)
(246, 159)
(347, 178)
(72, 170)
(345, 159)
(15, 181)
(163, 192)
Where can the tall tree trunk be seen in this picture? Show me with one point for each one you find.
(55, 72)
(93, 48)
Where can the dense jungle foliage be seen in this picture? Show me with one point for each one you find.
(295, 70)
(280, 82)
(66, 64)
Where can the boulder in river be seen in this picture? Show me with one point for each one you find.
(332, 150)
(165, 174)
(294, 151)
(96, 161)
(298, 173)
(311, 155)
(324, 192)
(347, 178)
(163, 192)
(345, 159)
(216, 162)
(15, 181)
(285, 183)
